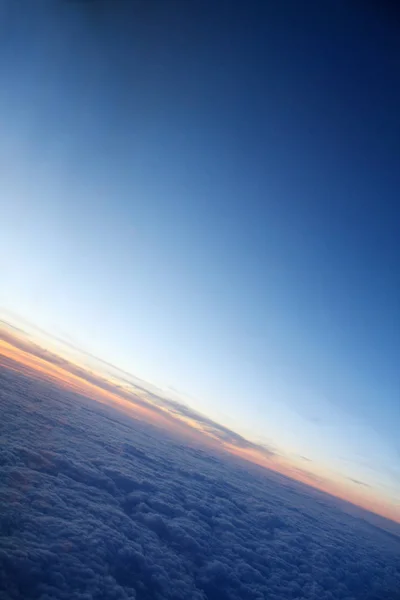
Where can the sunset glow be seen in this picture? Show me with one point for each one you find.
(27, 360)
(199, 300)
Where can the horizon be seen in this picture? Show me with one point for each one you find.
(199, 300)
(206, 195)
(175, 416)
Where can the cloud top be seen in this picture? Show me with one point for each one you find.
(96, 505)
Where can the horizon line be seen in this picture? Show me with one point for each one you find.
(151, 404)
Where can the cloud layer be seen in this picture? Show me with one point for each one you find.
(137, 395)
(98, 506)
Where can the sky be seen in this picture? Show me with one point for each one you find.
(206, 195)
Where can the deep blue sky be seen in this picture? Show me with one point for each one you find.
(207, 195)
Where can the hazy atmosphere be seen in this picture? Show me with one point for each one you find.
(199, 236)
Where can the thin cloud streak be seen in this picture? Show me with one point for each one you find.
(20, 353)
(357, 482)
(171, 410)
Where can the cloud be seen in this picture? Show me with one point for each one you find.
(357, 482)
(217, 430)
(150, 400)
(96, 505)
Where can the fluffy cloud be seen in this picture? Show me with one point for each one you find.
(95, 506)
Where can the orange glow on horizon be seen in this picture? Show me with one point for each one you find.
(49, 372)
(334, 488)
(25, 360)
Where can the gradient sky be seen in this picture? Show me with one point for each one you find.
(207, 195)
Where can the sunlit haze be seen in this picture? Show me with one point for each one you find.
(204, 196)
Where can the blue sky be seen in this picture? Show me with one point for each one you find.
(207, 196)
